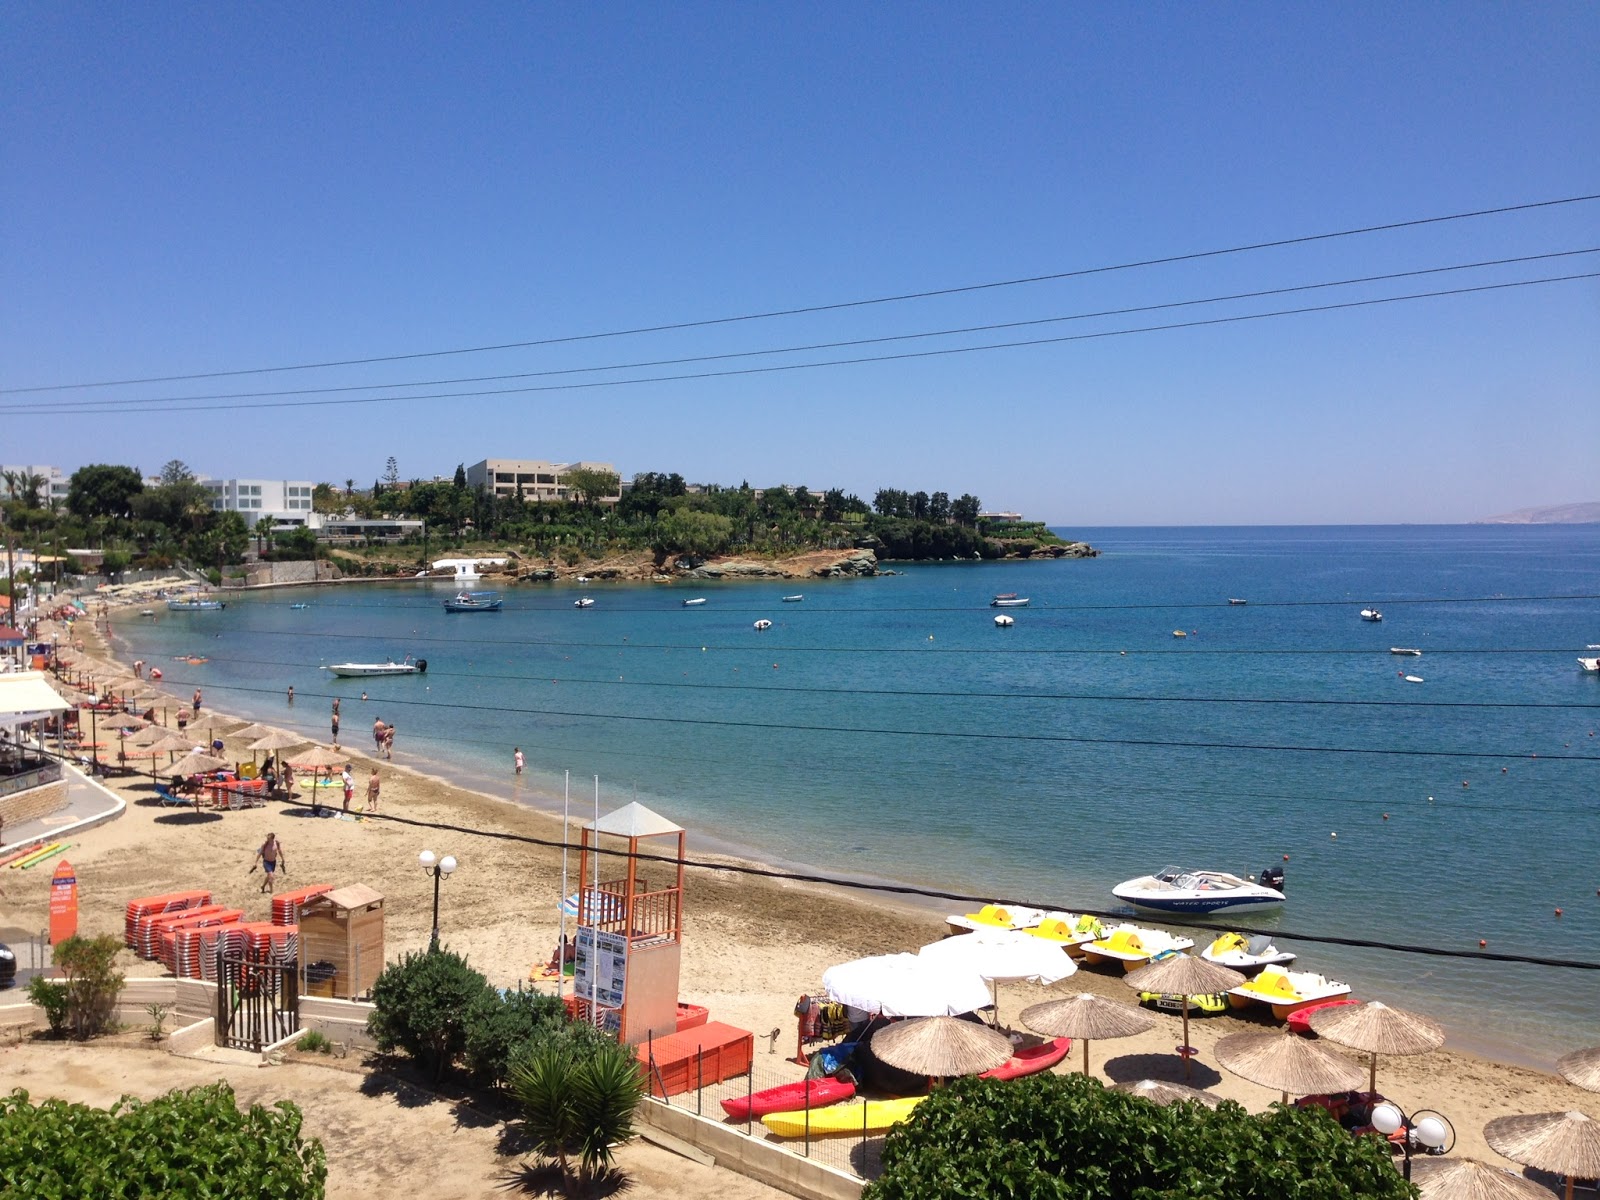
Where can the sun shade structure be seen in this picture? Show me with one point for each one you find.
(1287, 1064)
(317, 758)
(1087, 1018)
(1469, 1179)
(903, 985)
(1158, 1092)
(1581, 1067)
(1564, 1143)
(941, 1046)
(997, 954)
(171, 743)
(1183, 975)
(196, 763)
(277, 740)
(1378, 1029)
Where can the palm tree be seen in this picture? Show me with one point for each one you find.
(263, 531)
(578, 1100)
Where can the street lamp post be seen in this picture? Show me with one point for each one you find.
(1426, 1128)
(439, 868)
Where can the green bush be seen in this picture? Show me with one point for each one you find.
(194, 1143)
(499, 1024)
(92, 981)
(421, 1005)
(52, 997)
(1067, 1136)
(578, 1099)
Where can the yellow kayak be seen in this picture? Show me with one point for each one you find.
(880, 1115)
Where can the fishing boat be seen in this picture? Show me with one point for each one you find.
(1247, 954)
(1371, 614)
(871, 1116)
(1005, 622)
(1286, 991)
(1031, 1060)
(1133, 946)
(474, 602)
(1406, 650)
(1591, 665)
(763, 624)
(788, 1097)
(695, 601)
(410, 666)
(583, 602)
(1009, 600)
(1179, 890)
(793, 599)
(196, 605)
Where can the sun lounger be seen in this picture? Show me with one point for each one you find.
(170, 799)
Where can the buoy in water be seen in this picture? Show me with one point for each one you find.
(1333, 835)
(1482, 943)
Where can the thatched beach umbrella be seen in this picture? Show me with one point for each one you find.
(1158, 1092)
(1287, 1064)
(1183, 975)
(1086, 1017)
(196, 763)
(150, 735)
(278, 740)
(941, 1046)
(1563, 1143)
(1378, 1029)
(1469, 1179)
(251, 732)
(318, 758)
(1581, 1067)
(173, 743)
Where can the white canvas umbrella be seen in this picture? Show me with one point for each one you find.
(903, 985)
(997, 954)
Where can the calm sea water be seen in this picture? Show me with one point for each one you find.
(887, 728)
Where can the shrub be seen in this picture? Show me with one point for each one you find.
(578, 1098)
(92, 981)
(1066, 1135)
(421, 1005)
(52, 997)
(194, 1143)
(312, 1042)
(498, 1024)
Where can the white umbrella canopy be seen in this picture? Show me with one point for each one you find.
(1002, 954)
(903, 985)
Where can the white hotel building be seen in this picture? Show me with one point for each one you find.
(285, 501)
(534, 479)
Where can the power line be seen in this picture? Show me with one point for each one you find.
(112, 406)
(141, 403)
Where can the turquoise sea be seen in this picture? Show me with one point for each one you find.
(886, 728)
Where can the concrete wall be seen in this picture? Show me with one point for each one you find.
(752, 1157)
(337, 1020)
(34, 803)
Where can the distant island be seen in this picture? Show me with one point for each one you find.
(1554, 514)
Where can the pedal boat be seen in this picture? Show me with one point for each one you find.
(1133, 946)
(996, 916)
(1248, 955)
(1286, 991)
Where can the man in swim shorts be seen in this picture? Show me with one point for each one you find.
(349, 782)
(372, 791)
(270, 855)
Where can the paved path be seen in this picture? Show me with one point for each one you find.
(87, 802)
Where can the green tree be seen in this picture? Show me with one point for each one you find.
(101, 490)
(460, 480)
(591, 486)
(326, 500)
(176, 471)
(964, 510)
(420, 1005)
(391, 472)
(578, 1101)
(698, 534)
(263, 532)
(88, 969)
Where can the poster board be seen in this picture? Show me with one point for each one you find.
(600, 971)
(63, 903)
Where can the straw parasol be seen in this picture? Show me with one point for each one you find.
(172, 743)
(1378, 1029)
(277, 740)
(1183, 975)
(1564, 1143)
(1158, 1092)
(317, 758)
(1581, 1067)
(939, 1046)
(1287, 1064)
(1086, 1017)
(1469, 1179)
(253, 731)
(150, 735)
(196, 763)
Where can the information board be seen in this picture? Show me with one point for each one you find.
(600, 967)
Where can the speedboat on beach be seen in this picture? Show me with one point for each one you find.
(1174, 889)
(1133, 946)
(474, 602)
(411, 666)
(1009, 600)
(1286, 991)
(1371, 614)
(1244, 954)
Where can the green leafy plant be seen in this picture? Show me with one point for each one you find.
(93, 983)
(1067, 1136)
(312, 1042)
(420, 1005)
(498, 1024)
(158, 1021)
(578, 1100)
(186, 1143)
(52, 997)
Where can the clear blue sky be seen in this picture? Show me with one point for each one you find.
(206, 188)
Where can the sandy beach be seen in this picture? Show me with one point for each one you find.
(751, 947)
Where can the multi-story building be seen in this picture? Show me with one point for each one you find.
(285, 501)
(56, 483)
(535, 480)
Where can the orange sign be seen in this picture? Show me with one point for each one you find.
(63, 903)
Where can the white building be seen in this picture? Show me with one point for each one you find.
(285, 501)
(56, 483)
(534, 479)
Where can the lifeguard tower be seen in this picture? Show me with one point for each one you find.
(630, 935)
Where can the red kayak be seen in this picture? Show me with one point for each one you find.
(1032, 1060)
(1300, 1018)
(790, 1097)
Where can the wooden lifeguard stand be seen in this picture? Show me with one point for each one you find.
(630, 936)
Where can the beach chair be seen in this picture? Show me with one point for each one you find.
(171, 799)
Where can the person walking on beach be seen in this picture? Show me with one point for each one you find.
(372, 792)
(516, 757)
(335, 725)
(270, 855)
(197, 702)
(349, 782)
(388, 742)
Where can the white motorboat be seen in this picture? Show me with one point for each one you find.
(1237, 600)
(763, 624)
(694, 602)
(1009, 600)
(583, 602)
(1371, 614)
(1133, 946)
(1004, 621)
(411, 666)
(463, 602)
(1405, 650)
(1591, 665)
(1174, 889)
(793, 599)
(1246, 954)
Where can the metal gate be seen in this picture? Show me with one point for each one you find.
(257, 1003)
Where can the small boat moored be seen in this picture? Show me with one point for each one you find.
(1406, 650)
(1286, 991)
(1174, 889)
(473, 602)
(793, 599)
(1237, 600)
(1248, 955)
(583, 602)
(1371, 614)
(1009, 600)
(195, 605)
(1133, 946)
(763, 624)
(410, 666)
(1591, 665)
(692, 603)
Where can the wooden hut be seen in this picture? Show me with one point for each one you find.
(341, 942)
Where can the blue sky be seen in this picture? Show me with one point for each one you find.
(187, 189)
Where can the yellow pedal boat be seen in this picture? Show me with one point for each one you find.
(1133, 946)
(1286, 991)
(996, 916)
(880, 1116)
